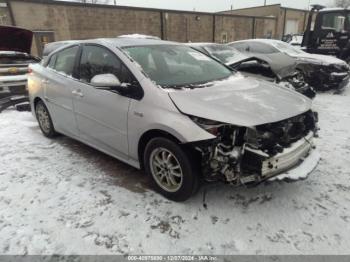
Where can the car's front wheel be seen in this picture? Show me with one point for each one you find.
(169, 165)
(44, 120)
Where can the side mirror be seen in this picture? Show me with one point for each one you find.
(105, 81)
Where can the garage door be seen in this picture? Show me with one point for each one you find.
(292, 27)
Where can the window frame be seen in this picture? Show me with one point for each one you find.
(244, 44)
(262, 46)
(140, 93)
(55, 53)
(334, 14)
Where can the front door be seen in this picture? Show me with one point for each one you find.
(101, 114)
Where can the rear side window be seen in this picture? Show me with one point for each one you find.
(261, 48)
(52, 61)
(65, 60)
(240, 46)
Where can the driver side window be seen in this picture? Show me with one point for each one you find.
(96, 60)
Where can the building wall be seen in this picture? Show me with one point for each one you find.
(265, 28)
(300, 16)
(268, 10)
(76, 22)
(232, 28)
(280, 13)
(188, 27)
(5, 18)
(67, 20)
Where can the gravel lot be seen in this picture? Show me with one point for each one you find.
(60, 196)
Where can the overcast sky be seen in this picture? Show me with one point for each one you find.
(216, 5)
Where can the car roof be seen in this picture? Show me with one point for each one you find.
(53, 46)
(118, 42)
(123, 41)
(331, 9)
(201, 44)
(259, 40)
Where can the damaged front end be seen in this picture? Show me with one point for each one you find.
(285, 76)
(325, 77)
(250, 155)
(297, 82)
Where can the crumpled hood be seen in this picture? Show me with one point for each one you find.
(321, 59)
(281, 64)
(237, 59)
(281, 71)
(241, 101)
(15, 39)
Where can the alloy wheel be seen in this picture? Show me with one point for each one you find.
(43, 118)
(166, 169)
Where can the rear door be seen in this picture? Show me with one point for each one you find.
(59, 83)
(101, 115)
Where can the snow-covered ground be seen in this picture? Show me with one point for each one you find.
(60, 196)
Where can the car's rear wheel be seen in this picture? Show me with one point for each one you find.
(170, 168)
(44, 120)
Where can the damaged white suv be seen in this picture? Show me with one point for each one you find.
(175, 112)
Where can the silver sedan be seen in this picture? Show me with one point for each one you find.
(175, 112)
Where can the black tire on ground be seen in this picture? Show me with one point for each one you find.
(46, 127)
(189, 169)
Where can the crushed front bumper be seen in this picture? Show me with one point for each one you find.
(295, 162)
(301, 171)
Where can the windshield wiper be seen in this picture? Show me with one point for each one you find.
(190, 86)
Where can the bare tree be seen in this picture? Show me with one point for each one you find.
(342, 3)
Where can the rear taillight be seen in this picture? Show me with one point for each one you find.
(30, 71)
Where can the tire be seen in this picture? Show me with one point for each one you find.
(44, 120)
(163, 159)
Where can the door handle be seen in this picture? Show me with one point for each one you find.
(77, 93)
(45, 81)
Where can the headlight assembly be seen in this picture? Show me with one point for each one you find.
(210, 126)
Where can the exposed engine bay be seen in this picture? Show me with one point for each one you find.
(241, 155)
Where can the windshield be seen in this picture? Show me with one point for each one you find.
(177, 66)
(287, 48)
(224, 53)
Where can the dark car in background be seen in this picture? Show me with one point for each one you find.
(322, 72)
(15, 46)
(281, 71)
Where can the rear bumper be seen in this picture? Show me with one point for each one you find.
(9, 80)
(13, 85)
